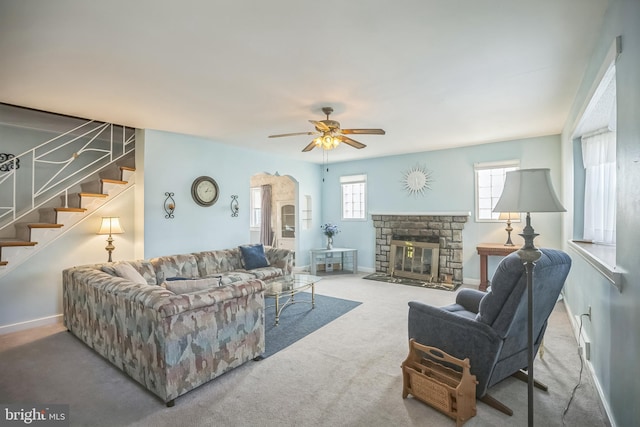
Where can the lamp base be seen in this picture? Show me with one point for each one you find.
(529, 254)
(509, 229)
(109, 248)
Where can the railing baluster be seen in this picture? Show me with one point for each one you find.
(57, 179)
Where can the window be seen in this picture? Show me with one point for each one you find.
(599, 159)
(255, 207)
(354, 200)
(489, 183)
(595, 168)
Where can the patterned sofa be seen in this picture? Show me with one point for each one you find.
(172, 343)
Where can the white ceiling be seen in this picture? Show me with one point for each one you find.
(432, 73)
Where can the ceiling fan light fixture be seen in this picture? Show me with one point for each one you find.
(330, 134)
(327, 142)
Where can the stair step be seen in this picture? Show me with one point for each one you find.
(127, 172)
(113, 181)
(24, 231)
(14, 243)
(44, 225)
(70, 209)
(98, 195)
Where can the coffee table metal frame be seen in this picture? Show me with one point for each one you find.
(291, 285)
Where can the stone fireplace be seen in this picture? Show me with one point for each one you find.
(445, 229)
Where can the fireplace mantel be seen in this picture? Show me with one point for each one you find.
(445, 213)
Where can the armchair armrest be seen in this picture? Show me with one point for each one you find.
(470, 299)
(281, 258)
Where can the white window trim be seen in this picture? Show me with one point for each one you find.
(354, 179)
(490, 165)
(601, 257)
(253, 226)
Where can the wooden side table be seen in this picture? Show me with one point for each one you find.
(487, 249)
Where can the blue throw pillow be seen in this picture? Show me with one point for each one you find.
(253, 256)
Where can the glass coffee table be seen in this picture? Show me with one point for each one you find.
(289, 286)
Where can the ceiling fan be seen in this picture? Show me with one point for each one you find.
(330, 134)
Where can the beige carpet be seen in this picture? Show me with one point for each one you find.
(345, 374)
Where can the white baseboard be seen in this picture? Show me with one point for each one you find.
(469, 281)
(21, 326)
(575, 325)
(305, 269)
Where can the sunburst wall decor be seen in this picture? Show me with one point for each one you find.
(417, 180)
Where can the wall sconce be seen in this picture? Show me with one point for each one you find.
(5, 165)
(509, 216)
(234, 206)
(169, 205)
(110, 225)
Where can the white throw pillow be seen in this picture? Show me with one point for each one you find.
(126, 271)
(191, 285)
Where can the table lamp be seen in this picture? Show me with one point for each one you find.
(509, 216)
(110, 225)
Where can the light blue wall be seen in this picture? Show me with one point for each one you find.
(452, 190)
(171, 163)
(34, 289)
(614, 327)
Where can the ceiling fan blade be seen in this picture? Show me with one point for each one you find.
(320, 126)
(363, 131)
(309, 147)
(293, 134)
(351, 142)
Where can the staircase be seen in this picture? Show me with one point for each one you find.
(51, 187)
(51, 222)
(44, 225)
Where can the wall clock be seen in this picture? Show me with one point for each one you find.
(416, 180)
(204, 191)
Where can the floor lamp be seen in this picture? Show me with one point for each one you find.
(529, 190)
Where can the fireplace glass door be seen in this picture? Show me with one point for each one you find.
(414, 260)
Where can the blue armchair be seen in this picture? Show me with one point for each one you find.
(491, 328)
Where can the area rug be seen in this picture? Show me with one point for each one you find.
(299, 320)
(383, 277)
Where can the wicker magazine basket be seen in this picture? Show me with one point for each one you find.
(451, 391)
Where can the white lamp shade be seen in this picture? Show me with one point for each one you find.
(528, 190)
(110, 225)
(509, 216)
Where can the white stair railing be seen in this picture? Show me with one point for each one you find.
(57, 165)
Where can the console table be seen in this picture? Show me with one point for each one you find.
(487, 249)
(336, 260)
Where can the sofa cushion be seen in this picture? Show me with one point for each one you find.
(267, 273)
(175, 266)
(186, 286)
(126, 271)
(236, 276)
(142, 266)
(220, 261)
(253, 256)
